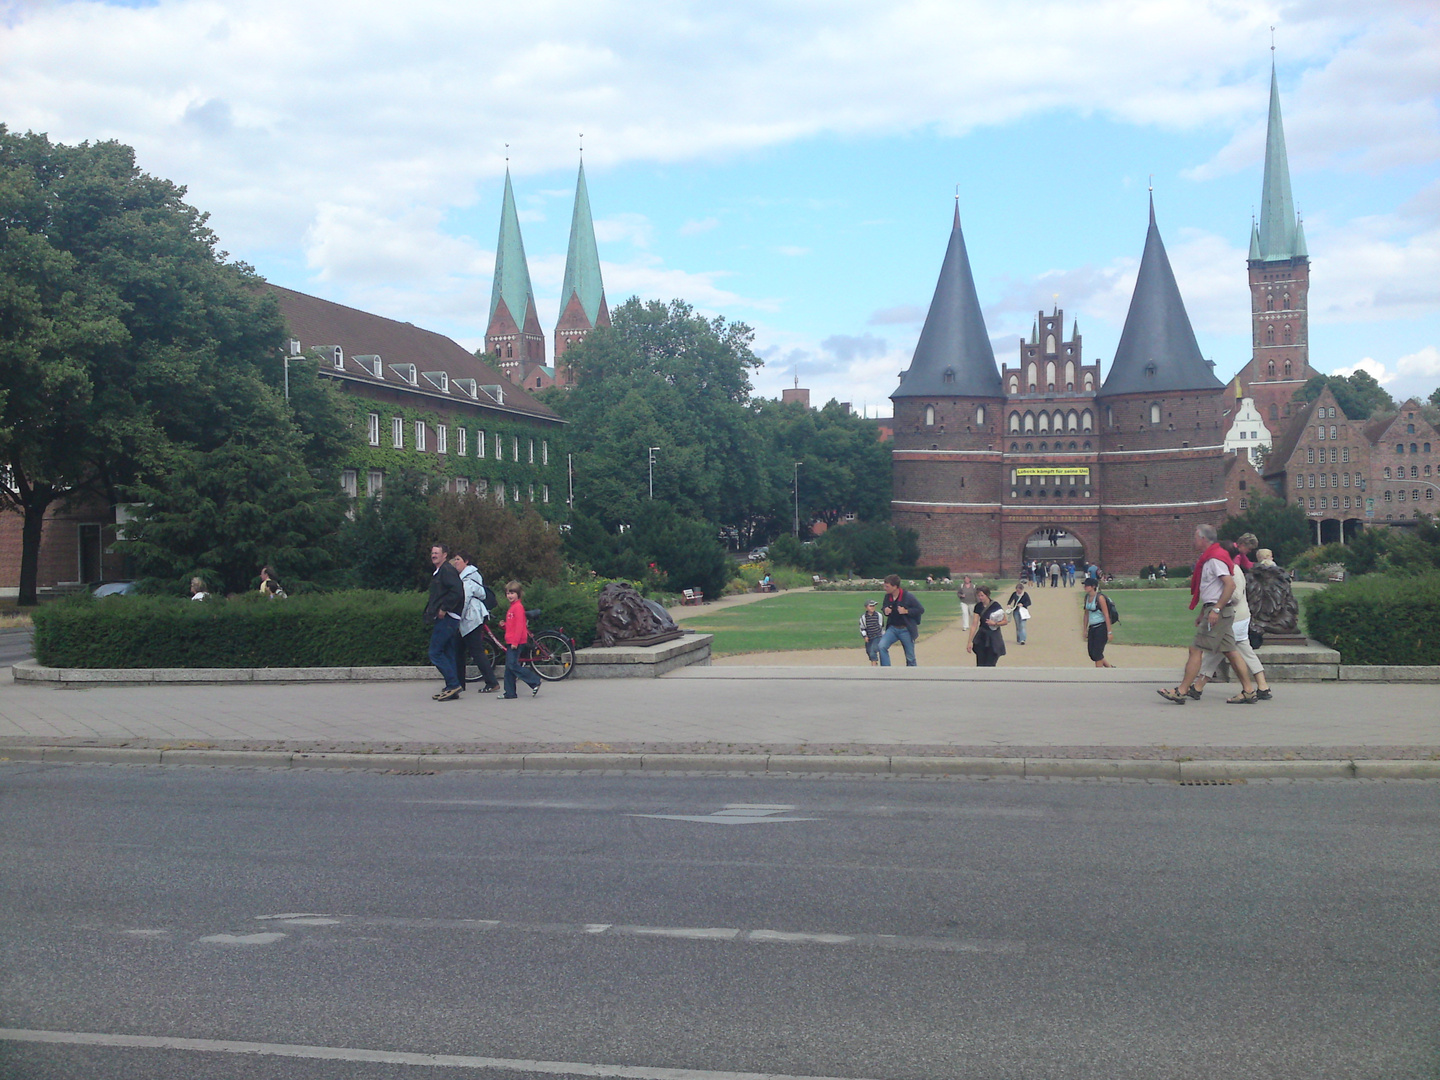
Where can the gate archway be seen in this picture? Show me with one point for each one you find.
(1053, 544)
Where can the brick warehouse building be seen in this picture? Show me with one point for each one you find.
(992, 467)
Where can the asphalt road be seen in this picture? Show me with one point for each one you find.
(16, 645)
(307, 924)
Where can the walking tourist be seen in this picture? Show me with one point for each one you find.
(986, 642)
(442, 615)
(1054, 575)
(1095, 623)
(517, 633)
(1018, 605)
(270, 587)
(966, 593)
(902, 621)
(472, 637)
(1212, 588)
(197, 589)
(870, 632)
(1211, 663)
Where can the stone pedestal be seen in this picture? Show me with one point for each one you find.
(1307, 661)
(642, 661)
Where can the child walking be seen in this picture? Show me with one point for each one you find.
(517, 633)
(870, 631)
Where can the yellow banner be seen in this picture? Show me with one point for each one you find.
(1074, 470)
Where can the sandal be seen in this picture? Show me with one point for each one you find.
(1194, 694)
(1243, 698)
(1174, 695)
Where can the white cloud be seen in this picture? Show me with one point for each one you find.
(1412, 375)
(792, 252)
(693, 228)
(1370, 366)
(634, 229)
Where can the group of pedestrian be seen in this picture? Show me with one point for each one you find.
(456, 611)
(1217, 587)
(896, 620)
(1056, 573)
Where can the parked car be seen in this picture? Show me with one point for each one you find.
(759, 554)
(113, 588)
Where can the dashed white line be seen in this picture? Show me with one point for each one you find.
(388, 1057)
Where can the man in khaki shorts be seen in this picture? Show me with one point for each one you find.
(1212, 589)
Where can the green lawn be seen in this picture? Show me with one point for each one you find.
(810, 620)
(1156, 617)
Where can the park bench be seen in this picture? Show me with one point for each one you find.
(691, 596)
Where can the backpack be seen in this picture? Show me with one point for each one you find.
(1114, 611)
(487, 596)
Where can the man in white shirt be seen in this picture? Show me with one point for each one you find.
(1212, 588)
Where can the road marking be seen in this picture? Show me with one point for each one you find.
(686, 933)
(734, 814)
(148, 933)
(244, 939)
(387, 1057)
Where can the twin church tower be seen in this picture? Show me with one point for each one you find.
(514, 341)
(994, 466)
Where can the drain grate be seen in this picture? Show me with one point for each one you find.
(1208, 783)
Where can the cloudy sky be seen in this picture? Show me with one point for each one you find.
(791, 165)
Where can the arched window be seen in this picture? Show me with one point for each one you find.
(1072, 422)
(1269, 335)
(1332, 431)
(1031, 371)
(1414, 472)
(1287, 369)
(1320, 431)
(1289, 337)
(1014, 384)
(1050, 376)
(1345, 454)
(1069, 375)
(1287, 302)
(1270, 369)
(1109, 416)
(1014, 423)
(1087, 423)
(1089, 382)
(1050, 344)
(1044, 423)
(1029, 422)
(929, 415)
(1154, 415)
(1274, 409)
(1387, 473)
(1412, 448)
(1269, 303)
(979, 415)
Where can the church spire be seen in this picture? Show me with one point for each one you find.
(953, 357)
(1157, 351)
(514, 335)
(582, 292)
(1277, 230)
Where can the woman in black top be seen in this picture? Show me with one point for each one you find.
(986, 641)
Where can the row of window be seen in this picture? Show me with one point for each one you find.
(1400, 447)
(1270, 369)
(1289, 339)
(1333, 480)
(1343, 502)
(1044, 447)
(1032, 372)
(1400, 472)
(462, 440)
(1072, 422)
(1074, 493)
(375, 486)
(1270, 303)
(1343, 452)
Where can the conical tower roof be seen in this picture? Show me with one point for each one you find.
(1157, 351)
(953, 357)
(512, 272)
(582, 261)
(1277, 230)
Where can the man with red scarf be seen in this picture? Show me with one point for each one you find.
(1212, 588)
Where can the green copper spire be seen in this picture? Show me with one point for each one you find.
(1277, 208)
(512, 272)
(582, 261)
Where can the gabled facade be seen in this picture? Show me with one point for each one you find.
(990, 466)
(1279, 276)
(1249, 435)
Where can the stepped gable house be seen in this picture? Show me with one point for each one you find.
(425, 402)
(1040, 460)
(514, 338)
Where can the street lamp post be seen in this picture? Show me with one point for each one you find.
(653, 449)
(797, 498)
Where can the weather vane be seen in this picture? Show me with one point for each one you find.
(582, 144)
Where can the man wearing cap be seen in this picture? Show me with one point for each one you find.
(870, 632)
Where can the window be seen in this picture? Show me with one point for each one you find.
(1050, 375)
(480, 444)
(1400, 495)
(545, 453)
(1429, 493)
(1089, 382)
(1345, 479)
(1345, 453)
(420, 435)
(545, 493)
(1154, 415)
(1413, 449)
(1312, 502)
(1387, 472)
(1069, 375)
(1310, 455)
(1072, 422)
(1044, 423)
(1415, 494)
(1399, 448)
(1427, 448)
(1320, 432)
(532, 451)
(1050, 343)
(499, 451)
(461, 436)
(1029, 422)
(1312, 480)
(374, 483)
(1409, 429)
(1014, 423)
(349, 482)
(1387, 496)
(514, 447)
(1270, 335)
(531, 493)
(1031, 373)
(929, 415)
(1269, 303)
(442, 439)
(1087, 421)
(1014, 384)
(374, 429)
(979, 415)
(500, 489)
(1242, 504)
(1323, 478)
(1270, 370)
(1287, 369)
(1289, 340)
(397, 433)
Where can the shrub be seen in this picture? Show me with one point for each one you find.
(350, 629)
(572, 606)
(1379, 619)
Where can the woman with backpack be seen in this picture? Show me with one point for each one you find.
(1095, 622)
(478, 598)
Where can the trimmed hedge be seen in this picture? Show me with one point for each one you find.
(352, 629)
(1379, 619)
(346, 629)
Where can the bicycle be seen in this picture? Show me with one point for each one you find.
(550, 653)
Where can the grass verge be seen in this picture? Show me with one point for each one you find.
(809, 620)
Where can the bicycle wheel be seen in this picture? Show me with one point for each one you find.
(551, 655)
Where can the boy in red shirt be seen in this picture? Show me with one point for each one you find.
(517, 633)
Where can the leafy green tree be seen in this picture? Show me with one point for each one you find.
(385, 544)
(1280, 526)
(131, 350)
(504, 542)
(1359, 395)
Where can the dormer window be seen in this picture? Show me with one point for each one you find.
(1150, 369)
(466, 386)
(949, 375)
(438, 379)
(406, 373)
(371, 364)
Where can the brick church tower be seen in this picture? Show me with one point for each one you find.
(582, 293)
(513, 338)
(1279, 287)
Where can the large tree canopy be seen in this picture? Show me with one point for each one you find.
(1359, 395)
(140, 365)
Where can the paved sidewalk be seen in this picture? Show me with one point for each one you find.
(1056, 713)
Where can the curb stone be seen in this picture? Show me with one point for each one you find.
(794, 764)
